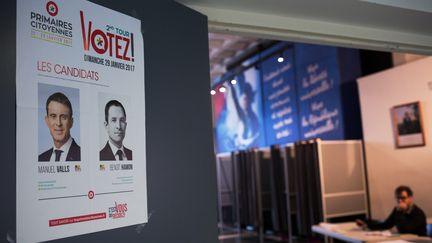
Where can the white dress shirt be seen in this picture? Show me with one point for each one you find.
(115, 149)
(64, 148)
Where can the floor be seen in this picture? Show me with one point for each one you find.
(248, 239)
(252, 237)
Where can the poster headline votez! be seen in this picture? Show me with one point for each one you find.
(112, 41)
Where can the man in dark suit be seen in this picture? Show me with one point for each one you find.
(59, 121)
(115, 125)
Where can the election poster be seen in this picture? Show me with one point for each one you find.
(80, 132)
(238, 113)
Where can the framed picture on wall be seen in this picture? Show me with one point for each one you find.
(407, 125)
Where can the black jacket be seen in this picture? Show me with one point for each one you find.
(74, 153)
(411, 222)
(106, 154)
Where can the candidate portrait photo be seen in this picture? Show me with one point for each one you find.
(115, 130)
(58, 124)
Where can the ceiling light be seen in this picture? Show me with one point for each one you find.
(233, 81)
(222, 89)
(280, 58)
(212, 92)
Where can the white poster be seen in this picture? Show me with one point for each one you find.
(81, 160)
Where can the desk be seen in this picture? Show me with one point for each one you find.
(349, 232)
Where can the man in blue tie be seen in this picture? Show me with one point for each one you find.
(59, 120)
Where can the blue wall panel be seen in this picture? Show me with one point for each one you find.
(279, 99)
(312, 94)
(318, 87)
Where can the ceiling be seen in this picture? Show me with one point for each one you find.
(413, 16)
(386, 25)
(223, 48)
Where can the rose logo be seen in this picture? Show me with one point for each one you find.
(51, 8)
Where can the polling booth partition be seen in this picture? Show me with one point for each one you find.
(280, 192)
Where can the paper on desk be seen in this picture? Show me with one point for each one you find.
(329, 226)
(394, 241)
(386, 233)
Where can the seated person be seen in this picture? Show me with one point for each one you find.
(406, 216)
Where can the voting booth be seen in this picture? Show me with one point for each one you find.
(283, 190)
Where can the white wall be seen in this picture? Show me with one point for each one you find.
(388, 167)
